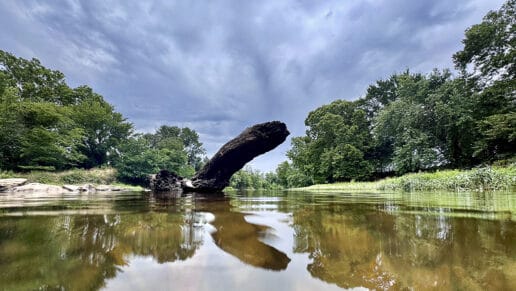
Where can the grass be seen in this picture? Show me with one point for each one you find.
(102, 176)
(478, 179)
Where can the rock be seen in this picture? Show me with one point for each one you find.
(110, 188)
(72, 188)
(104, 188)
(87, 188)
(9, 184)
(39, 188)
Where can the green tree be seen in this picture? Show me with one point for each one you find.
(104, 129)
(193, 147)
(248, 178)
(289, 176)
(499, 137)
(490, 46)
(11, 127)
(488, 60)
(336, 132)
(408, 123)
(379, 95)
(35, 82)
(169, 148)
(180, 139)
(50, 138)
(453, 109)
(137, 160)
(46, 123)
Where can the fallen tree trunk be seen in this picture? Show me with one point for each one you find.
(231, 157)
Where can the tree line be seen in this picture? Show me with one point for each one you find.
(248, 178)
(47, 125)
(413, 122)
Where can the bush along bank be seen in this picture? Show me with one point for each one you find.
(477, 179)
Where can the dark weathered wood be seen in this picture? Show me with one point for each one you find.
(252, 142)
(166, 181)
(215, 175)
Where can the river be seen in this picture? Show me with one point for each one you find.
(259, 241)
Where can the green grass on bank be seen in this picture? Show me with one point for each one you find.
(103, 176)
(478, 179)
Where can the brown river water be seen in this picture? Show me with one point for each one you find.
(259, 241)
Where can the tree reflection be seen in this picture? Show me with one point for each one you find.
(384, 249)
(81, 252)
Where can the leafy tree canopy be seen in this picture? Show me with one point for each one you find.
(45, 123)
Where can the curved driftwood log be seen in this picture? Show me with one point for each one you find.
(233, 156)
(215, 175)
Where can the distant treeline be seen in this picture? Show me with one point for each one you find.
(414, 122)
(248, 178)
(46, 125)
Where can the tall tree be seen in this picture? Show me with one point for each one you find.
(180, 139)
(35, 82)
(104, 129)
(409, 123)
(490, 46)
(51, 138)
(333, 149)
(46, 123)
(488, 59)
(11, 126)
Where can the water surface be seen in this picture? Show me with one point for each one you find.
(259, 241)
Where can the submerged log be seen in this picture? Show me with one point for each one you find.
(215, 175)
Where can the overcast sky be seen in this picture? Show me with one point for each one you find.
(221, 66)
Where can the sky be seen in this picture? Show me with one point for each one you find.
(221, 66)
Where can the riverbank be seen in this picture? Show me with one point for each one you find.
(76, 180)
(478, 179)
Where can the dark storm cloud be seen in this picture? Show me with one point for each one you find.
(219, 66)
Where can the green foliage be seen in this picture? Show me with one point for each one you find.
(248, 178)
(408, 123)
(35, 82)
(143, 155)
(416, 122)
(499, 132)
(335, 144)
(77, 176)
(104, 129)
(290, 177)
(489, 47)
(45, 123)
(488, 61)
(11, 128)
(347, 162)
(181, 139)
(50, 136)
(479, 179)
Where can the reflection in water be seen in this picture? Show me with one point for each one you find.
(442, 242)
(381, 249)
(80, 252)
(241, 239)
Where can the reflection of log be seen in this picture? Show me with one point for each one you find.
(240, 238)
(215, 175)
